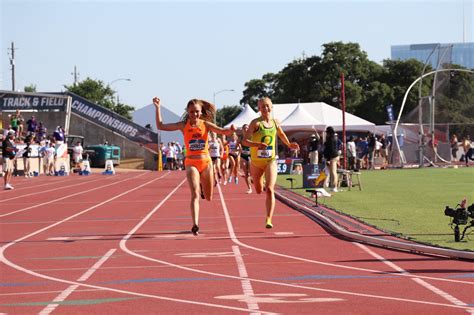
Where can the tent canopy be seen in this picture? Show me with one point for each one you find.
(301, 119)
(245, 117)
(307, 116)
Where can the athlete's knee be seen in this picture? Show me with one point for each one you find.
(195, 194)
(269, 190)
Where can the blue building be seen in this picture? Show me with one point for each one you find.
(461, 54)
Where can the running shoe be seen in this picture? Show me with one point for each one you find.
(8, 187)
(249, 191)
(195, 230)
(268, 224)
(236, 180)
(230, 179)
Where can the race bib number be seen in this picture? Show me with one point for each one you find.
(265, 153)
(197, 145)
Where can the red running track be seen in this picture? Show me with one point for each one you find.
(121, 244)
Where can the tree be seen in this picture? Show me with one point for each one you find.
(30, 88)
(98, 92)
(256, 89)
(226, 114)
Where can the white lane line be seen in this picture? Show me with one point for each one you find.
(246, 284)
(421, 282)
(65, 197)
(156, 297)
(29, 186)
(63, 295)
(44, 292)
(75, 238)
(238, 242)
(124, 247)
(41, 192)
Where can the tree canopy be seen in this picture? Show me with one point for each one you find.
(98, 92)
(369, 86)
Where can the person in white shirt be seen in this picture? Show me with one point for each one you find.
(170, 156)
(351, 153)
(48, 154)
(77, 151)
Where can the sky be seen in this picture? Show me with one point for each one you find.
(179, 50)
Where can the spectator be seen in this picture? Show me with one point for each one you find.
(59, 136)
(31, 126)
(77, 151)
(8, 152)
(26, 156)
(41, 132)
(163, 149)
(351, 153)
(16, 121)
(294, 152)
(362, 152)
(468, 149)
(49, 157)
(179, 156)
(434, 146)
(332, 157)
(170, 156)
(313, 147)
(384, 150)
(371, 141)
(454, 147)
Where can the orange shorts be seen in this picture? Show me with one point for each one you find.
(199, 164)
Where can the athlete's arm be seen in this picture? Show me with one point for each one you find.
(284, 138)
(219, 130)
(253, 127)
(159, 123)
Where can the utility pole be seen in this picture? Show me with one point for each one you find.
(12, 63)
(75, 74)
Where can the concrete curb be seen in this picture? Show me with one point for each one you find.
(372, 240)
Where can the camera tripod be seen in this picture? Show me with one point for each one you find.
(457, 233)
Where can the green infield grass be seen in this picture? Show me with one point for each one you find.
(409, 202)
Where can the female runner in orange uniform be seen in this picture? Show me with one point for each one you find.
(196, 124)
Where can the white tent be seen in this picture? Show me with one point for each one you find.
(307, 117)
(325, 113)
(300, 119)
(245, 117)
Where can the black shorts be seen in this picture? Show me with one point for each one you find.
(214, 158)
(233, 155)
(245, 157)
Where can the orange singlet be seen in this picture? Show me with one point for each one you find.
(195, 139)
(225, 153)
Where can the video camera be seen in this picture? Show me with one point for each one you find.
(460, 216)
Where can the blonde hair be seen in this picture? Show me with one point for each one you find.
(263, 100)
(208, 110)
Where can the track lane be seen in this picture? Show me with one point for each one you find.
(158, 238)
(73, 273)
